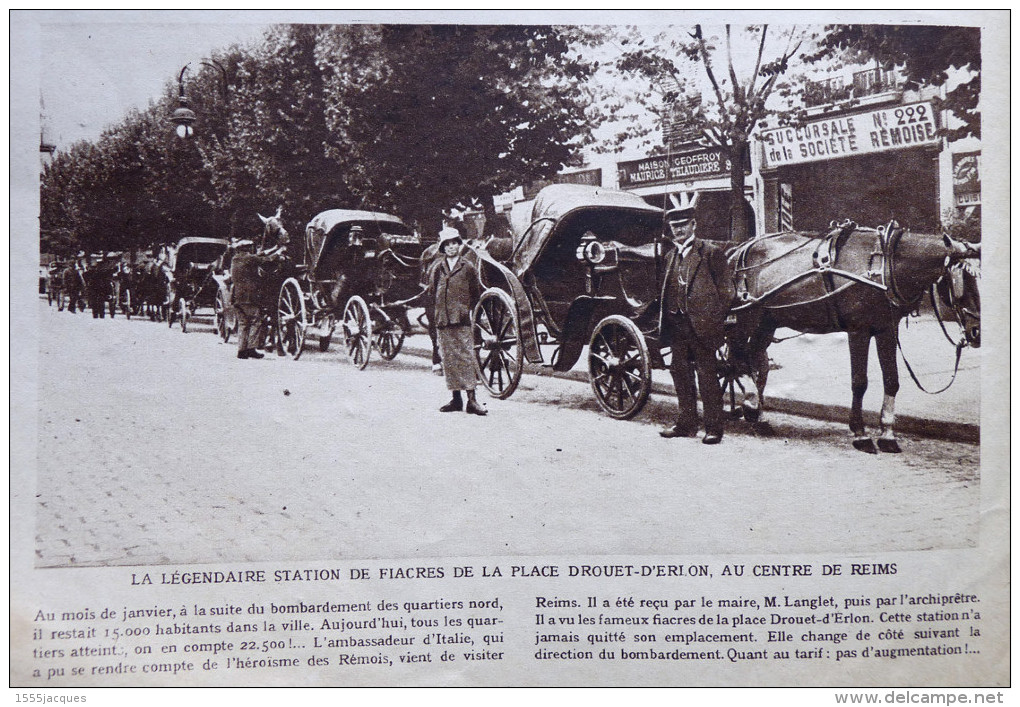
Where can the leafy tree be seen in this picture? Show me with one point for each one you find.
(409, 119)
(271, 147)
(927, 55)
(734, 105)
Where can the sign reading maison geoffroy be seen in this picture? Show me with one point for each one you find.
(665, 169)
(880, 130)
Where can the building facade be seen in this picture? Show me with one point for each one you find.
(869, 151)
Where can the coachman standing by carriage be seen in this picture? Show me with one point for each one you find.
(697, 294)
(455, 291)
(251, 293)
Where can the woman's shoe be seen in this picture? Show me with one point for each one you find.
(453, 406)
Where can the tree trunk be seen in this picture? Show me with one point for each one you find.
(738, 219)
(497, 224)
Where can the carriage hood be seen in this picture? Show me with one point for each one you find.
(556, 208)
(198, 250)
(318, 229)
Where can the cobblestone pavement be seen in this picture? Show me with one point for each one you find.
(157, 447)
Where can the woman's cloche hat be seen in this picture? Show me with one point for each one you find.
(448, 233)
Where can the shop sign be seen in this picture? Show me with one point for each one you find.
(591, 177)
(893, 128)
(668, 169)
(967, 178)
(503, 202)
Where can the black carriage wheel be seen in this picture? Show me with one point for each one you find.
(619, 367)
(390, 340)
(329, 324)
(498, 350)
(184, 313)
(357, 331)
(220, 316)
(168, 307)
(291, 319)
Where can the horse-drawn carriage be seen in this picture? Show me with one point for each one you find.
(189, 276)
(585, 272)
(595, 267)
(360, 271)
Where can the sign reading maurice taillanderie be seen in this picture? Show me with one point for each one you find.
(881, 130)
(701, 164)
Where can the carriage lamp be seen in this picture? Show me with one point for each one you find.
(590, 250)
(356, 237)
(183, 117)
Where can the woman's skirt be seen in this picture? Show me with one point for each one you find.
(456, 346)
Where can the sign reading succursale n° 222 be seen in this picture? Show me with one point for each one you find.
(894, 128)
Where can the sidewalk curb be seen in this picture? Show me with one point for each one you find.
(907, 424)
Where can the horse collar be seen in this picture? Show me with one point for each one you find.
(889, 237)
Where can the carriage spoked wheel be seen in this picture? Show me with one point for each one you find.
(168, 307)
(389, 339)
(184, 312)
(291, 319)
(740, 386)
(357, 331)
(497, 337)
(619, 367)
(329, 324)
(222, 324)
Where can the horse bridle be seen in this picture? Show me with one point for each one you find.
(961, 312)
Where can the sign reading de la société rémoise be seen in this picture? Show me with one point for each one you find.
(894, 128)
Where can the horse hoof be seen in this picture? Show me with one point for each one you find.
(752, 414)
(889, 445)
(865, 445)
(763, 429)
(711, 439)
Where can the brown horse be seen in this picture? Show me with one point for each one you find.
(858, 280)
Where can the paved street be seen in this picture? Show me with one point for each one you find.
(161, 447)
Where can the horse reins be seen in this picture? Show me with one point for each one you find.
(959, 345)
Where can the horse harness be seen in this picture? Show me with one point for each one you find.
(881, 273)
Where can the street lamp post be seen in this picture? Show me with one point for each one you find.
(183, 117)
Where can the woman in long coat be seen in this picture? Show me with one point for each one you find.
(455, 291)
